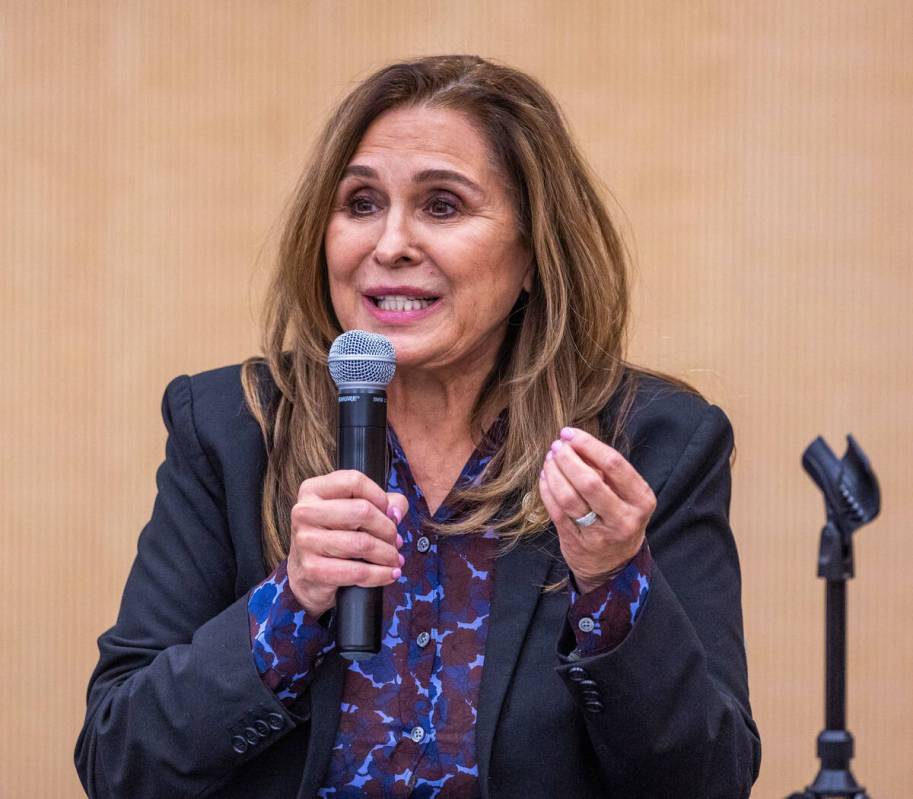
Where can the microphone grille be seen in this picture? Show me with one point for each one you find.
(361, 357)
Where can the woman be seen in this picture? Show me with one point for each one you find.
(535, 645)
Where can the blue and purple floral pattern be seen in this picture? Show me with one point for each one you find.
(287, 643)
(613, 607)
(407, 718)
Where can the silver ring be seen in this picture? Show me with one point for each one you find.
(586, 521)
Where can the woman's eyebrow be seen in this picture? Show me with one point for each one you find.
(359, 171)
(425, 176)
(429, 175)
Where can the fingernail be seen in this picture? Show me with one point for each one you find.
(556, 445)
(402, 560)
(567, 433)
(399, 540)
(550, 455)
(397, 573)
(393, 512)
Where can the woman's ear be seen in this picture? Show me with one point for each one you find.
(528, 277)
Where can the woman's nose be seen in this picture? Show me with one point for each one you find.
(396, 245)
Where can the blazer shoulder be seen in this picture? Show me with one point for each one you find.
(657, 398)
(213, 405)
(663, 417)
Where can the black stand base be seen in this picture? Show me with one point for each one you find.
(835, 748)
(835, 780)
(815, 795)
(835, 751)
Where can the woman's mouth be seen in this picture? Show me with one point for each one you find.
(399, 302)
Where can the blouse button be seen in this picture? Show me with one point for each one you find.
(586, 624)
(417, 734)
(423, 639)
(423, 544)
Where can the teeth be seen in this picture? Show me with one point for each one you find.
(399, 303)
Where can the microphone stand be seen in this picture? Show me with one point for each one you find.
(851, 499)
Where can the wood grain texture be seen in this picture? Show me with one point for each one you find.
(760, 155)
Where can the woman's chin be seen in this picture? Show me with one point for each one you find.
(408, 357)
(410, 346)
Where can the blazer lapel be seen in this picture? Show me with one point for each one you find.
(325, 694)
(519, 578)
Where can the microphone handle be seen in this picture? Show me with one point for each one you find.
(361, 444)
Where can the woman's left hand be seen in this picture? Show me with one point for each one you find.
(581, 474)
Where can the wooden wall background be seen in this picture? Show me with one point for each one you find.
(762, 154)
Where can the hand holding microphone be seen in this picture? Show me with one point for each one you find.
(344, 544)
(343, 533)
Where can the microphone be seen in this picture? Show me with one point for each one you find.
(361, 365)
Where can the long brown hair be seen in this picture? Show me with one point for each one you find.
(563, 357)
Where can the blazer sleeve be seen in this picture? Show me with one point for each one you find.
(175, 702)
(675, 718)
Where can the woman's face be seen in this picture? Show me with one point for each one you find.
(422, 244)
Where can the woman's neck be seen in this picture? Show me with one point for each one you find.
(438, 407)
(433, 422)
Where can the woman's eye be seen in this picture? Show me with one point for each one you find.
(361, 205)
(442, 207)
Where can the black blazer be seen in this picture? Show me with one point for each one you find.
(176, 708)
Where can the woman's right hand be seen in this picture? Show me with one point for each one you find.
(343, 533)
